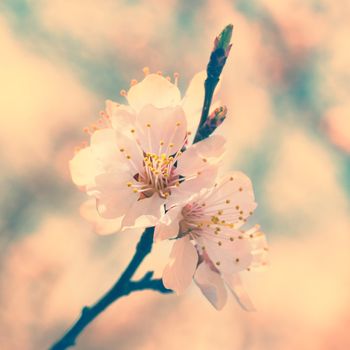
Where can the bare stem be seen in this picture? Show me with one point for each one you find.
(122, 287)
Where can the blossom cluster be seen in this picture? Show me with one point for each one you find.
(143, 170)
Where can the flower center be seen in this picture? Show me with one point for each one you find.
(193, 214)
(204, 218)
(158, 175)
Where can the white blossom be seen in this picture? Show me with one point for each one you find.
(210, 245)
(140, 157)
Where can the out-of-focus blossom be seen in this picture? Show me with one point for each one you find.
(210, 245)
(139, 158)
(337, 126)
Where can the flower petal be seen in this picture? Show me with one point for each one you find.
(104, 148)
(198, 165)
(155, 90)
(234, 283)
(161, 130)
(211, 285)
(200, 155)
(144, 212)
(229, 256)
(121, 116)
(130, 151)
(186, 189)
(232, 198)
(178, 274)
(84, 167)
(192, 102)
(259, 247)
(100, 225)
(168, 225)
(114, 197)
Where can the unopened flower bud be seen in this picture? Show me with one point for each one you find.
(221, 50)
(216, 118)
(213, 121)
(223, 40)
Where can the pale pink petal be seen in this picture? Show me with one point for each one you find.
(168, 225)
(161, 130)
(229, 256)
(259, 247)
(130, 151)
(204, 179)
(100, 225)
(105, 150)
(120, 116)
(200, 155)
(144, 212)
(84, 167)
(232, 198)
(258, 238)
(234, 283)
(192, 102)
(155, 90)
(211, 285)
(114, 197)
(113, 108)
(178, 274)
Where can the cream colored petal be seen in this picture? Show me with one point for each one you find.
(105, 149)
(259, 247)
(228, 256)
(115, 150)
(233, 197)
(130, 151)
(178, 274)
(211, 285)
(120, 116)
(192, 102)
(200, 155)
(168, 225)
(233, 281)
(112, 108)
(186, 189)
(114, 197)
(100, 225)
(161, 130)
(154, 90)
(198, 165)
(84, 168)
(144, 213)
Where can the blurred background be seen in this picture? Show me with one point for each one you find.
(286, 85)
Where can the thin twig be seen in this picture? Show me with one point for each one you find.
(122, 287)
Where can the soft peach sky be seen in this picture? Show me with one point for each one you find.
(288, 127)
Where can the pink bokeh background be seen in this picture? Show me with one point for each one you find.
(286, 87)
